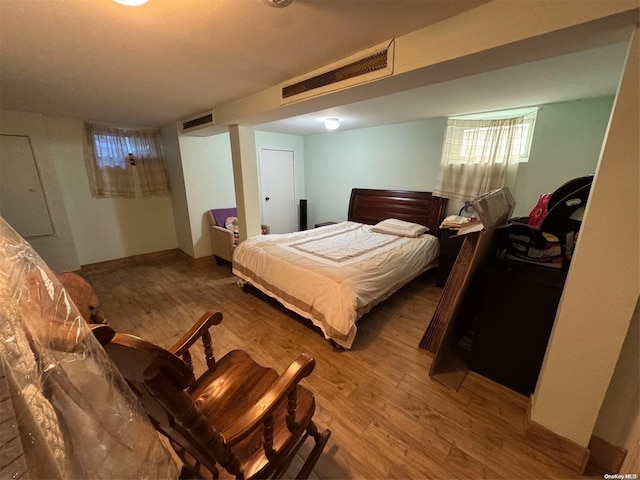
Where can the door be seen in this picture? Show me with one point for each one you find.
(277, 191)
(22, 201)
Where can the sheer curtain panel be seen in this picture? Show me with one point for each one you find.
(480, 155)
(111, 155)
(146, 147)
(110, 172)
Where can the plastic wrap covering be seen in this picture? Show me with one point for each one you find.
(65, 411)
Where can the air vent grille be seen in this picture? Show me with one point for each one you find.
(198, 121)
(374, 62)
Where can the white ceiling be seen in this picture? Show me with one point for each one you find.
(171, 59)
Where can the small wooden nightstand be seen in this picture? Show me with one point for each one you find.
(324, 224)
(449, 247)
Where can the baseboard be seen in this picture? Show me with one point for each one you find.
(605, 457)
(197, 262)
(562, 450)
(133, 260)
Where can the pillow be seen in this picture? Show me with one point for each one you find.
(231, 223)
(393, 226)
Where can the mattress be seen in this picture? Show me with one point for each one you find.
(333, 275)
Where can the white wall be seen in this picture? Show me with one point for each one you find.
(566, 144)
(105, 228)
(404, 156)
(58, 250)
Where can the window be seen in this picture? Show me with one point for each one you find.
(112, 154)
(480, 154)
(513, 147)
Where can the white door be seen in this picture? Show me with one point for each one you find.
(22, 201)
(277, 190)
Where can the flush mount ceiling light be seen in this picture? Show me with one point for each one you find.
(278, 3)
(332, 123)
(131, 3)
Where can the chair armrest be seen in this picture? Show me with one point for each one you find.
(222, 234)
(218, 228)
(199, 328)
(300, 368)
(103, 333)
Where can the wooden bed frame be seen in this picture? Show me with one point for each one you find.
(369, 206)
(372, 206)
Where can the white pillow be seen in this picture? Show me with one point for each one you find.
(393, 226)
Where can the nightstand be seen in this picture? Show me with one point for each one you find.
(449, 247)
(324, 224)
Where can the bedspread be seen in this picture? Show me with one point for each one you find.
(335, 274)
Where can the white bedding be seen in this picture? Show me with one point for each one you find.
(335, 274)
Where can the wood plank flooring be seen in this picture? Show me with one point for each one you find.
(388, 417)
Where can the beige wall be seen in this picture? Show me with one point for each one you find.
(205, 165)
(208, 175)
(105, 228)
(244, 158)
(178, 188)
(618, 419)
(58, 250)
(603, 282)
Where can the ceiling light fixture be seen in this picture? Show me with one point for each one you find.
(278, 3)
(131, 3)
(332, 123)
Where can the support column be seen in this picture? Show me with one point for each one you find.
(245, 174)
(603, 283)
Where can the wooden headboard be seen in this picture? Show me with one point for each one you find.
(372, 206)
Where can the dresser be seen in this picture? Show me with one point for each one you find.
(516, 308)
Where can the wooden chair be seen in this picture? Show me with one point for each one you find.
(238, 419)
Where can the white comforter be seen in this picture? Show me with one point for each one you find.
(335, 274)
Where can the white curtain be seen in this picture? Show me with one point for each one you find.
(109, 154)
(479, 156)
(107, 157)
(147, 149)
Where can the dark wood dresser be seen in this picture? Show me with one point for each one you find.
(516, 308)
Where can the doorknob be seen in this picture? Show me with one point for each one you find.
(266, 199)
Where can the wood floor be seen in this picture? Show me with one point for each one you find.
(388, 418)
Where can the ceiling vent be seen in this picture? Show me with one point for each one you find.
(198, 122)
(374, 63)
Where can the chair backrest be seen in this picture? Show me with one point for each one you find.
(160, 380)
(220, 215)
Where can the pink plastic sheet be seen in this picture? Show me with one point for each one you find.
(65, 411)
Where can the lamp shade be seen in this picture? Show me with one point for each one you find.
(332, 123)
(131, 3)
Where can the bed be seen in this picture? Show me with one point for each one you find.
(334, 274)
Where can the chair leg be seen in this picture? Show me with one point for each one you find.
(321, 440)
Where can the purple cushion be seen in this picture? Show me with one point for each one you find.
(221, 214)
